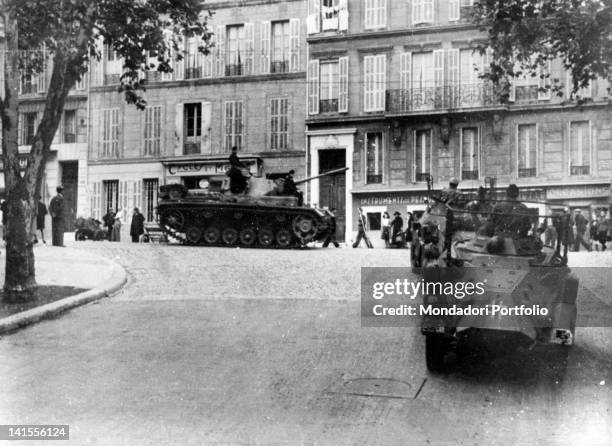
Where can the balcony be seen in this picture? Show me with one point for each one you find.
(112, 79)
(193, 73)
(153, 76)
(527, 172)
(374, 179)
(441, 98)
(469, 174)
(191, 148)
(279, 66)
(579, 170)
(233, 70)
(421, 176)
(328, 105)
(69, 138)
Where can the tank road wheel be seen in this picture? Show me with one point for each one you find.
(247, 236)
(229, 236)
(193, 234)
(212, 235)
(266, 237)
(283, 238)
(175, 219)
(280, 218)
(305, 228)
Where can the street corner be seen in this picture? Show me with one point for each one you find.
(68, 268)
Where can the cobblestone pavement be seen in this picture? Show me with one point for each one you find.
(234, 346)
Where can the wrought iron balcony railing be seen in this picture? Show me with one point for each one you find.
(191, 148)
(440, 98)
(193, 73)
(279, 66)
(526, 172)
(421, 176)
(372, 179)
(328, 105)
(469, 174)
(233, 70)
(153, 76)
(579, 170)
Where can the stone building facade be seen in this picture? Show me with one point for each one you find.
(248, 92)
(394, 94)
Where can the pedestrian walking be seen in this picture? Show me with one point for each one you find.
(331, 238)
(550, 233)
(603, 225)
(116, 231)
(581, 226)
(385, 222)
(361, 228)
(109, 221)
(397, 225)
(57, 209)
(137, 226)
(40, 220)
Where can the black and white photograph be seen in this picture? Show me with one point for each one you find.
(306, 222)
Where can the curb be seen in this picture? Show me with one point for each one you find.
(19, 320)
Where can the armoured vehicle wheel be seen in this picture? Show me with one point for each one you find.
(79, 236)
(212, 235)
(283, 238)
(280, 217)
(229, 236)
(437, 347)
(175, 219)
(304, 227)
(193, 234)
(247, 236)
(266, 237)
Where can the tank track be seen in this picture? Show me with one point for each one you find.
(235, 224)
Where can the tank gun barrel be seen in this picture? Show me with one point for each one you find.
(331, 172)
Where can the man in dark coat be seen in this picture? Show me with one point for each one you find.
(109, 221)
(396, 229)
(581, 227)
(40, 220)
(137, 226)
(238, 182)
(56, 209)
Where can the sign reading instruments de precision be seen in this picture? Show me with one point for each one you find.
(392, 198)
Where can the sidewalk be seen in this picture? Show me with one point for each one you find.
(66, 267)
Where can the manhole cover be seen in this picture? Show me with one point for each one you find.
(385, 387)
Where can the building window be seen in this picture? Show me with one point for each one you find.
(281, 41)
(28, 128)
(232, 125)
(234, 50)
(193, 68)
(580, 147)
(329, 15)
(422, 11)
(374, 158)
(193, 128)
(470, 153)
(527, 150)
(328, 101)
(375, 14)
(422, 154)
(110, 133)
(150, 198)
(374, 82)
(111, 195)
(152, 131)
(422, 80)
(28, 84)
(69, 133)
(279, 124)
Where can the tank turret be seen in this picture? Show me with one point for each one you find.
(263, 215)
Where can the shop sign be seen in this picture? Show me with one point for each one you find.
(23, 162)
(577, 192)
(392, 199)
(201, 168)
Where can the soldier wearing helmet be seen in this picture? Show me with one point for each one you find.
(451, 193)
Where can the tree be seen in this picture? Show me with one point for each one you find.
(523, 35)
(69, 33)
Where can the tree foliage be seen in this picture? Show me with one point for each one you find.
(524, 35)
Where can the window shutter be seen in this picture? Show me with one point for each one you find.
(178, 129)
(206, 124)
(220, 42)
(2, 79)
(343, 81)
(453, 10)
(367, 82)
(342, 16)
(265, 48)
(428, 11)
(512, 88)
(313, 87)
(545, 82)
(179, 65)
(294, 28)
(381, 81)
(249, 42)
(168, 42)
(438, 56)
(382, 11)
(313, 23)
(405, 69)
(42, 76)
(452, 62)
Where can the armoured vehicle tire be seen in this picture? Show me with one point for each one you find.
(229, 236)
(437, 346)
(266, 237)
(193, 234)
(212, 235)
(283, 238)
(79, 236)
(248, 236)
(304, 227)
(175, 219)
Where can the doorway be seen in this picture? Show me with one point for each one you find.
(70, 181)
(332, 188)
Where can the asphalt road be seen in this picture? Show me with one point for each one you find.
(233, 346)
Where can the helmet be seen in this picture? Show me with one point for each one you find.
(454, 182)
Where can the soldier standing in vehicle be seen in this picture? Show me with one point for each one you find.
(361, 234)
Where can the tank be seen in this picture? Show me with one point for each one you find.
(261, 216)
(493, 241)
